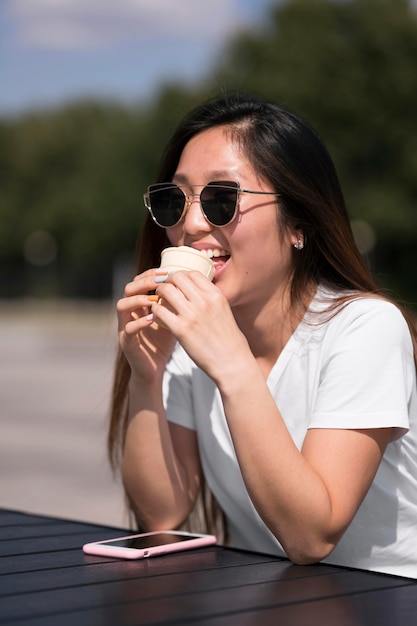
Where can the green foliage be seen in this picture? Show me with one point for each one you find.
(347, 66)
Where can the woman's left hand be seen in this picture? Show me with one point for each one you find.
(199, 315)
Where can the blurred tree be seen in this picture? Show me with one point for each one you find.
(74, 177)
(79, 173)
(349, 68)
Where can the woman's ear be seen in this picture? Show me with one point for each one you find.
(298, 240)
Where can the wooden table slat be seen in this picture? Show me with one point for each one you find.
(390, 607)
(46, 579)
(54, 529)
(10, 518)
(245, 570)
(70, 558)
(187, 596)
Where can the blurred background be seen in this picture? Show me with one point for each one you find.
(90, 90)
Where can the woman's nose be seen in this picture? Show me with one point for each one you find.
(194, 220)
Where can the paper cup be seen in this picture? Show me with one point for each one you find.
(186, 258)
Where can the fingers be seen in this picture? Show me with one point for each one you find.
(177, 277)
(138, 309)
(191, 284)
(185, 297)
(185, 288)
(134, 308)
(134, 313)
(143, 283)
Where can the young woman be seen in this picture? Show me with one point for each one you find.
(288, 384)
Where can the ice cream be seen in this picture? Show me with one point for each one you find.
(186, 258)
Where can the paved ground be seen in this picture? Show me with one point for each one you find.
(56, 363)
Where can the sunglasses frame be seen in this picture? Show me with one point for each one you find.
(188, 198)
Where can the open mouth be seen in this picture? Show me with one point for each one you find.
(219, 256)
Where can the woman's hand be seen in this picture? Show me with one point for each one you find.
(200, 317)
(146, 346)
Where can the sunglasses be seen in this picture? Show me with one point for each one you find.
(219, 202)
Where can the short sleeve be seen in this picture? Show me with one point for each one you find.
(177, 389)
(367, 370)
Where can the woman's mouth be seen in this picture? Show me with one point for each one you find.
(219, 256)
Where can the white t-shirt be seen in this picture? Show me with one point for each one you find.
(352, 370)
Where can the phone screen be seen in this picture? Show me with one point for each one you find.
(150, 541)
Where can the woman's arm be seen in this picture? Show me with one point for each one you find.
(160, 465)
(306, 498)
(160, 468)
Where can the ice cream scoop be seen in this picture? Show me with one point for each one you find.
(186, 258)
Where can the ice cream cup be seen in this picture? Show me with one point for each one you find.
(186, 258)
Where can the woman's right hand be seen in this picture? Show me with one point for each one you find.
(146, 346)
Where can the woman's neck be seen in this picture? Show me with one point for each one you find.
(269, 327)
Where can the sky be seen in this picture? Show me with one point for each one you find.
(57, 51)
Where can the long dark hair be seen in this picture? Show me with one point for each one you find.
(288, 153)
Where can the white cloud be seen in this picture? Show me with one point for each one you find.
(75, 24)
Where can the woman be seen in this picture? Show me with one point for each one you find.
(289, 383)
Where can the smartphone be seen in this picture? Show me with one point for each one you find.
(148, 544)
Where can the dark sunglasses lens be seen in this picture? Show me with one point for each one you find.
(167, 204)
(219, 201)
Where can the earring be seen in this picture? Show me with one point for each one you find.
(299, 245)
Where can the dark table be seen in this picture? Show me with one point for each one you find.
(45, 580)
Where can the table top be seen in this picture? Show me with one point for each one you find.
(46, 579)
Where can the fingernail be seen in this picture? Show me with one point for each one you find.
(162, 279)
(153, 298)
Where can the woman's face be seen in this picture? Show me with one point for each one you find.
(253, 260)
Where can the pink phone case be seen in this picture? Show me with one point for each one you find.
(105, 548)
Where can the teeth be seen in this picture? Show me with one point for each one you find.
(215, 253)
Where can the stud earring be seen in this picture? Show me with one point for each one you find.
(299, 245)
